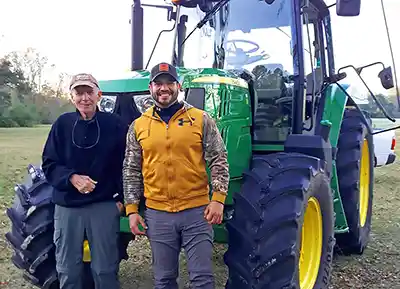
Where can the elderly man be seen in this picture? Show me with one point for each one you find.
(165, 161)
(82, 160)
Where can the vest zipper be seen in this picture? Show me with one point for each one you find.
(169, 154)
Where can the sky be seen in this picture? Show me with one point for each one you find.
(94, 35)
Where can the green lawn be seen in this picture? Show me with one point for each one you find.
(379, 267)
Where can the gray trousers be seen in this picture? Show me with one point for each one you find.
(100, 222)
(167, 234)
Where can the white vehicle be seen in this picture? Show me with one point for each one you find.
(384, 144)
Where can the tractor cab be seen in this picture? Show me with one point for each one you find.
(282, 49)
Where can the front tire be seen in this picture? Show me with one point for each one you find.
(282, 232)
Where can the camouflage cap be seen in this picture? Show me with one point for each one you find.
(83, 79)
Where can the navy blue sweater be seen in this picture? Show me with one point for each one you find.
(103, 162)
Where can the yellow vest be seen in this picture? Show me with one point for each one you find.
(173, 166)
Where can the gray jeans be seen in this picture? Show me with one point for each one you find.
(168, 233)
(100, 222)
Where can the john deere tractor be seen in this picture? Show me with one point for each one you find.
(299, 147)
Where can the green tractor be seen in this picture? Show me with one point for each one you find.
(300, 149)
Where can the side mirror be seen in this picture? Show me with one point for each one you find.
(386, 77)
(348, 7)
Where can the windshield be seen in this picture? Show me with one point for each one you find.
(259, 38)
(199, 46)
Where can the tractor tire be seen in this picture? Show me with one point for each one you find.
(281, 234)
(31, 234)
(355, 168)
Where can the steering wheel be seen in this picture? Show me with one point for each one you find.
(240, 56)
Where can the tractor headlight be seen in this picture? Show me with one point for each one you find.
(143, 102)
(107, 103)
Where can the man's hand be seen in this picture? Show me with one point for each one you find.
(120, 207)
(134, 221)
(83, 184)
(213, 213)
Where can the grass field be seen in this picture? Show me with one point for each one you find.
(379, 267)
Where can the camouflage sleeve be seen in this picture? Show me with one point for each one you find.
(132, 172)
(215, 155)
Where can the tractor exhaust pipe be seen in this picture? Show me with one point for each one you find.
(137, 36)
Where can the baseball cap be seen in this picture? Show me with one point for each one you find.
(83, 79)
(163, 68)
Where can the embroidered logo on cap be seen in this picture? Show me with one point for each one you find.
(163, 67)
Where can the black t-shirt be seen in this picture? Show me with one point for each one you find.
(95, 148)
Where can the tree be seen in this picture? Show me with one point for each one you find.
(31, 64)
(26, 98)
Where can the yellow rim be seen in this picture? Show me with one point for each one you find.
(311, 245)
(364, 183)
(86, 251)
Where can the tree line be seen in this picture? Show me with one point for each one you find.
(26, 97)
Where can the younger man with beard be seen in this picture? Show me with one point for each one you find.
(165, 161)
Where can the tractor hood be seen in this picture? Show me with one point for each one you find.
(138, 81)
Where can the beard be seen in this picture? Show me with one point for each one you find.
(165, 98)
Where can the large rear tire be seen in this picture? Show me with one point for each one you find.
(31, 235)
(355, 167)
(281, 234)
